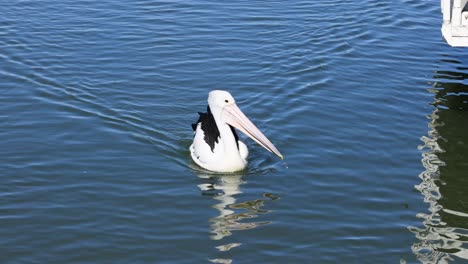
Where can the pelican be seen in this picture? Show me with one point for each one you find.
(216, 146)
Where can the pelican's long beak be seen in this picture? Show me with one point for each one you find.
(234, 117)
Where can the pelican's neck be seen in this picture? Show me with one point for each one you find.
(229, 141)
(227, 137)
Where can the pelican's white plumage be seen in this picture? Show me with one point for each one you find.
(216, 146)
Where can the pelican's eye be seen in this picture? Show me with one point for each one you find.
(227, 101)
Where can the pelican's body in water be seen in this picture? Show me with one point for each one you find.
(216, 146)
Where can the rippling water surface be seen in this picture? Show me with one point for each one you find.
(364, 98)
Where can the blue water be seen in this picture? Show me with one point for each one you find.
(365, 100)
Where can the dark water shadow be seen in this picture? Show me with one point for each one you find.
(443, 238)
(233, 214)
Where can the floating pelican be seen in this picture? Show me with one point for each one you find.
(216, 146)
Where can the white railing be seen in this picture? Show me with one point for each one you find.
(445, 7)
(458, 6)
(455, 22)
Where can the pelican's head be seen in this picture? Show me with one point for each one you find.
(220, 99)
(224, 109)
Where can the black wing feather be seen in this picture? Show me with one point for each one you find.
(209, 127)
(236, 137)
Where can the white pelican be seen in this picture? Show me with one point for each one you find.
(216, 146)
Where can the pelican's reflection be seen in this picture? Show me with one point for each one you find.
(444, 235)
(232, 214)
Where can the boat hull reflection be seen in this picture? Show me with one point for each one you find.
(443, 238)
